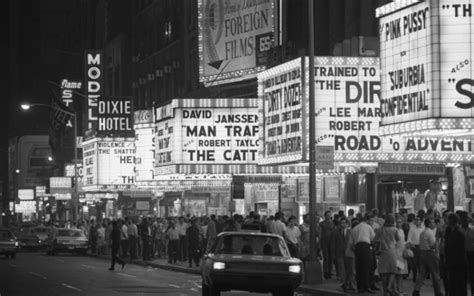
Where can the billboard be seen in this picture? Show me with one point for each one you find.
(108, 161)
(67, 95)
(115, 117)
(26, 194)
(145, 145)
(426, 64)
(94, 81)
(235, 38)
(407, 63)
(456, 39)
(209, 131)
(348, 114)
(281, 109)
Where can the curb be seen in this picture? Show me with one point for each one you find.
(302, 288)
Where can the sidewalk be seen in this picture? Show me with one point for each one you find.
(327, 288)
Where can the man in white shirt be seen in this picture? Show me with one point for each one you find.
(123, 238)
(293, 236)
(429, 260)
(413, 242)
(361, 237)
(132, 232)
(278, 227)
(182, 226)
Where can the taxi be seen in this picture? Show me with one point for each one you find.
(250, 261)
(67, 240)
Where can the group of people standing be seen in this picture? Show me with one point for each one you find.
(360, 250)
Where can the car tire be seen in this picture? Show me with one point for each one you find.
(213, 291)
(205, 289)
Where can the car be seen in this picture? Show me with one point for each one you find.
(41, 232)
(27, 239)
(65, 240)
(250, 261)
(8, 243)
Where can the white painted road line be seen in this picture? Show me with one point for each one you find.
(71, 287)
(125, 274)
(174, 286)
(37, 274)
(87, 266)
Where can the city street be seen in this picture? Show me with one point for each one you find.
(76, 275)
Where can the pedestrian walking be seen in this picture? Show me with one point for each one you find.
(305, 238)
(101, 239)
(211, 232)
(182, 226)
(402, 264)
(386, 239)
(413, 242)
(132, 232)
(429, 259)
(115, 238)
(337, 246)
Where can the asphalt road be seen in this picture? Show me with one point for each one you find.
(38, 274)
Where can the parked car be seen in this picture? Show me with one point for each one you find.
(250, 261)
(27, 239)
(66, 240)
(8, 243)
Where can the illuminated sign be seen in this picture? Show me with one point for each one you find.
(347, 90)
(426, 62)
(94, 83)
(67, 94)
(116, 162)
(457, 71)
(280, 90)
(406, 60)
(235, 39)
(163, 112)
(143, 117)
(108, 162)
(145, 153)
(26, 194)
(115, 117)
(212, 131)
(89, 155)
(60, 182)
(69, 172)
(26, 207)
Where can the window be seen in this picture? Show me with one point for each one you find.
(251, 245)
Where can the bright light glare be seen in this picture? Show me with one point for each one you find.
(218, 265)
(294, 268)
(25, 106)
(50, 158)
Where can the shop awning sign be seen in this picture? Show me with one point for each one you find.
(411, 169)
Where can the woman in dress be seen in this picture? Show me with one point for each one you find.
(387, 237)
(402, 263)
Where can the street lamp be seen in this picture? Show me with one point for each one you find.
(72, 114)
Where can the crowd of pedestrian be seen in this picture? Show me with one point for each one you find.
(362, 251)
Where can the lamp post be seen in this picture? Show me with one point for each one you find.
(74, 115)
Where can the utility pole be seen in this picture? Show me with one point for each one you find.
(313, 272)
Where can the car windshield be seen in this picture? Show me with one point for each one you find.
(251, 245)
(69, 232)
(5, 234)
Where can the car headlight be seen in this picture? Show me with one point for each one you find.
(218, 265)
(39, 241)
(294, 268)
(16, 244)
